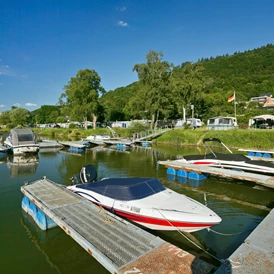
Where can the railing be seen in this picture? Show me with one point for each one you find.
(148, 134)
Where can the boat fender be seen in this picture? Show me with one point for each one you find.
(171, 171)
(196, 176)
(182, 173)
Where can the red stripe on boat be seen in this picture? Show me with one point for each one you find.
(159, 222)
(203, 163)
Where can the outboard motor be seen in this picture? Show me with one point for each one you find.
(87, 174)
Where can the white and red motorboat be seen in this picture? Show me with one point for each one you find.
(227, 159)
(144, 201)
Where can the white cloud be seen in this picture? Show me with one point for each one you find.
(122, 24)
(123, 8)
(6, 70)
(31, 105)
(17, 105)
(2, 106)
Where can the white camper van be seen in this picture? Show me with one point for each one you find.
(193, 123)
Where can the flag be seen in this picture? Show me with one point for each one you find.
(231, 98)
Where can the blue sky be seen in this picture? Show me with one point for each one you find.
(44, 43)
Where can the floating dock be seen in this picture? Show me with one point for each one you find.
(118, 245)
(256, 254)
(178, 165)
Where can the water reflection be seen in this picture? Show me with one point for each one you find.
(22, 165)
(61, 252)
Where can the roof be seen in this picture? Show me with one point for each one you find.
(217, 117)
(263, 117)
(22, 136)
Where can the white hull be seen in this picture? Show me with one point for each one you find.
(235, 165)
(22, 149)
(166, 210)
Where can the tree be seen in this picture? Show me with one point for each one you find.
(81, 96)
(188, 84)
(155, 76)
(5, 117)
(19, 116)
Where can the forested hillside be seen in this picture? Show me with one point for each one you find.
(248, 73)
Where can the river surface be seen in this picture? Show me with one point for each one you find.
(27, 249)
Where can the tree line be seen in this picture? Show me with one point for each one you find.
(163, 91)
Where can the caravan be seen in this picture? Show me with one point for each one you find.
(222, 123)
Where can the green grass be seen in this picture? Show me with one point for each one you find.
(237, 138)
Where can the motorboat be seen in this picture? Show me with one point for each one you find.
(227, 159)
(21, 141)
(97, 139)
(145, 201)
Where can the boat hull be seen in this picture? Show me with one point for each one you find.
(168, 216)
(20, 150)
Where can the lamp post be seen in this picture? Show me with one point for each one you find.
(193, 124)
(192, 108)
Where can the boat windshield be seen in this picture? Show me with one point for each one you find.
(25, 137)
(125, 189)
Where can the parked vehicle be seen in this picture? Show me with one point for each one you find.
(191, 122)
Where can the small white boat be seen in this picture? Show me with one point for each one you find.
(144, 201)
(22, 141)
(97, 139)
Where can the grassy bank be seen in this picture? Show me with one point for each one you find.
(238, 138)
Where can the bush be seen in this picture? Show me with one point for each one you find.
(72, 125)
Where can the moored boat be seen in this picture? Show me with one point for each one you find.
(21, 141)
(228, 160)
(144, 201)
(97, 139)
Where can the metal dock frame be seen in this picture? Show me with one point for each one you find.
(115, 243)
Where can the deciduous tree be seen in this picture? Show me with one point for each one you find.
(81, 96)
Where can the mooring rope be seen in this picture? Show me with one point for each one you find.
(228, 234)
(228, 263)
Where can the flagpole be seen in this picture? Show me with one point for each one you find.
(235, 103)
